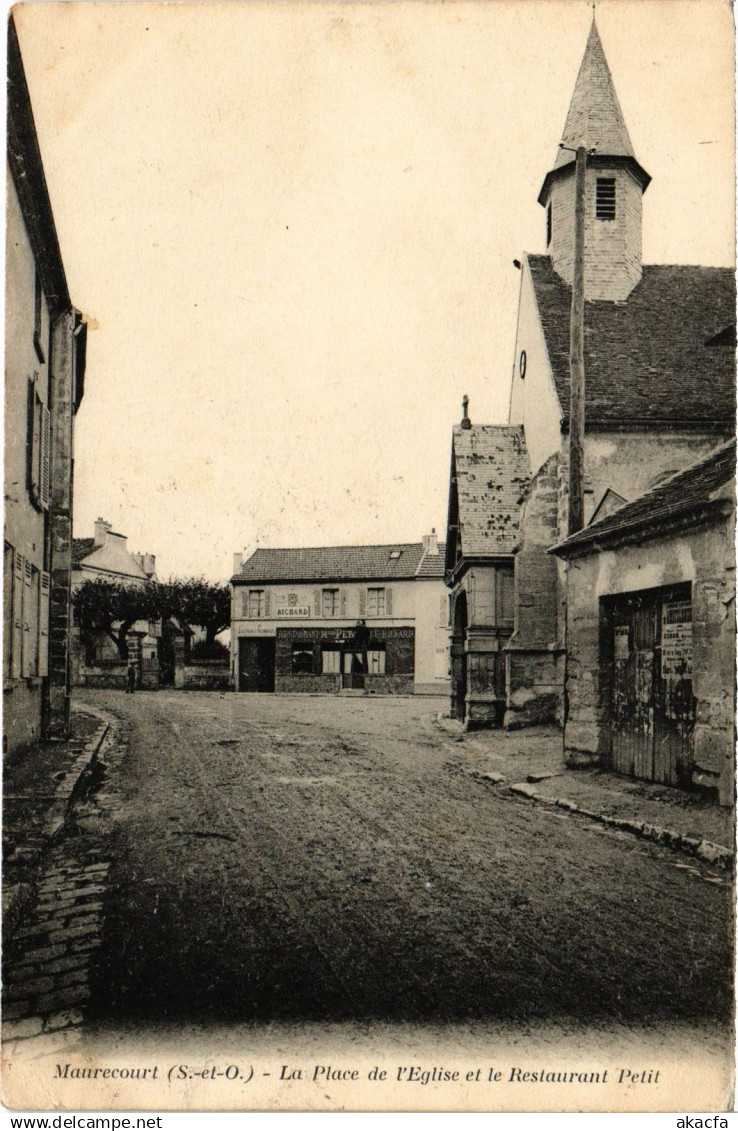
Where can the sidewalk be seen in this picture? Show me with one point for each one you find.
(530, 763)
(37, 793)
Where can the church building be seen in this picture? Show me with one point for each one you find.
(659, 363)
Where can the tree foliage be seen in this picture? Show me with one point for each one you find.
(199, 603)
(113, 608)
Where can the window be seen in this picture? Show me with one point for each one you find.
(29, 620)
(605, 201)
(255, 604)
(375, 661)
(39, 448)
(330, 603)
(376, 602)
(331, 661)
(395, 555)
(302, 658)
(549, 225)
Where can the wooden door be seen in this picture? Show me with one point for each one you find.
(256, 663)
(649, 665)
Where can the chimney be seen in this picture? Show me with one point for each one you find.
(101, 531)
(149, 564)
(237, 563)
(465, 421)
(430, 542)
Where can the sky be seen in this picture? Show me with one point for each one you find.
(291, 228)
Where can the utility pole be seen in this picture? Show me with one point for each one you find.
(576, 356)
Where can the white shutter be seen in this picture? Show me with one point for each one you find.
(388, 602)
(43, 624)
(17, 664)
(362, 602)
(26, 649)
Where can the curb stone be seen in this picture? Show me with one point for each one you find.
(706, 850)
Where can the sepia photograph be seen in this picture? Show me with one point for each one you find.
(369, 568)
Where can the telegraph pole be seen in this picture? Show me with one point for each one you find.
(576, 356)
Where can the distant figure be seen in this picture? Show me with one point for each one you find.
(131, 679)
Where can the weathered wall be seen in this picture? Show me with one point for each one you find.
(60, 661)
(24, 524)
(533, 672)
(612, 260)
(706, 559)
(431, 637)
(534, 401)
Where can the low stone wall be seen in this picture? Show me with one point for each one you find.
(308, 683)
(389, 684)
(205, 676)
(108, 675)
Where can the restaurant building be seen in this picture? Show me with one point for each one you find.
(329, 619)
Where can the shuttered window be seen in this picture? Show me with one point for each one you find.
(39, 449)
(43, 623)
(375, 602)
(8, 563)
(331, 602)
(605, 198)
(254, 603)
(17, 657)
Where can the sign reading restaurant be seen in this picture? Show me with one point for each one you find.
(293, 610)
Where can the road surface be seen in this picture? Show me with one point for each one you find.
(329, 858)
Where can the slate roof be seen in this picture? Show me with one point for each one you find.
(647, 360)
(340, 563)
(432, 565)
(679, 498)
(595, 117)
(492, 470)
(81, 548)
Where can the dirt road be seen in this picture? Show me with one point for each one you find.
(328, 858)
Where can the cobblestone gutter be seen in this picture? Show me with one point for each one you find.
(54, 925)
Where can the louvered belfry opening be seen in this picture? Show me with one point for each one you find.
(605, 199)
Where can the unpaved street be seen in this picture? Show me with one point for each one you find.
(328, 858)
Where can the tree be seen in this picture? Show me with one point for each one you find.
(197, 602)
(104, 606)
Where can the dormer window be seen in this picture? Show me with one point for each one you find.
(395, 555)
(605, 200)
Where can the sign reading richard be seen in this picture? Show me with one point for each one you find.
(293, 611)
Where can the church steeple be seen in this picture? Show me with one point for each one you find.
(615, 184)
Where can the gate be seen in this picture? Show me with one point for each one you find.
(648, 667)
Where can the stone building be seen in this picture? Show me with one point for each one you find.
(659, 359)
(45, 353)
(342, 618)
(96, 661)
(650, 631)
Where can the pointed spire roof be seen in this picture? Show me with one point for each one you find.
(595, 118)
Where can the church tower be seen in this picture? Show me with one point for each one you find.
(615, 183)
